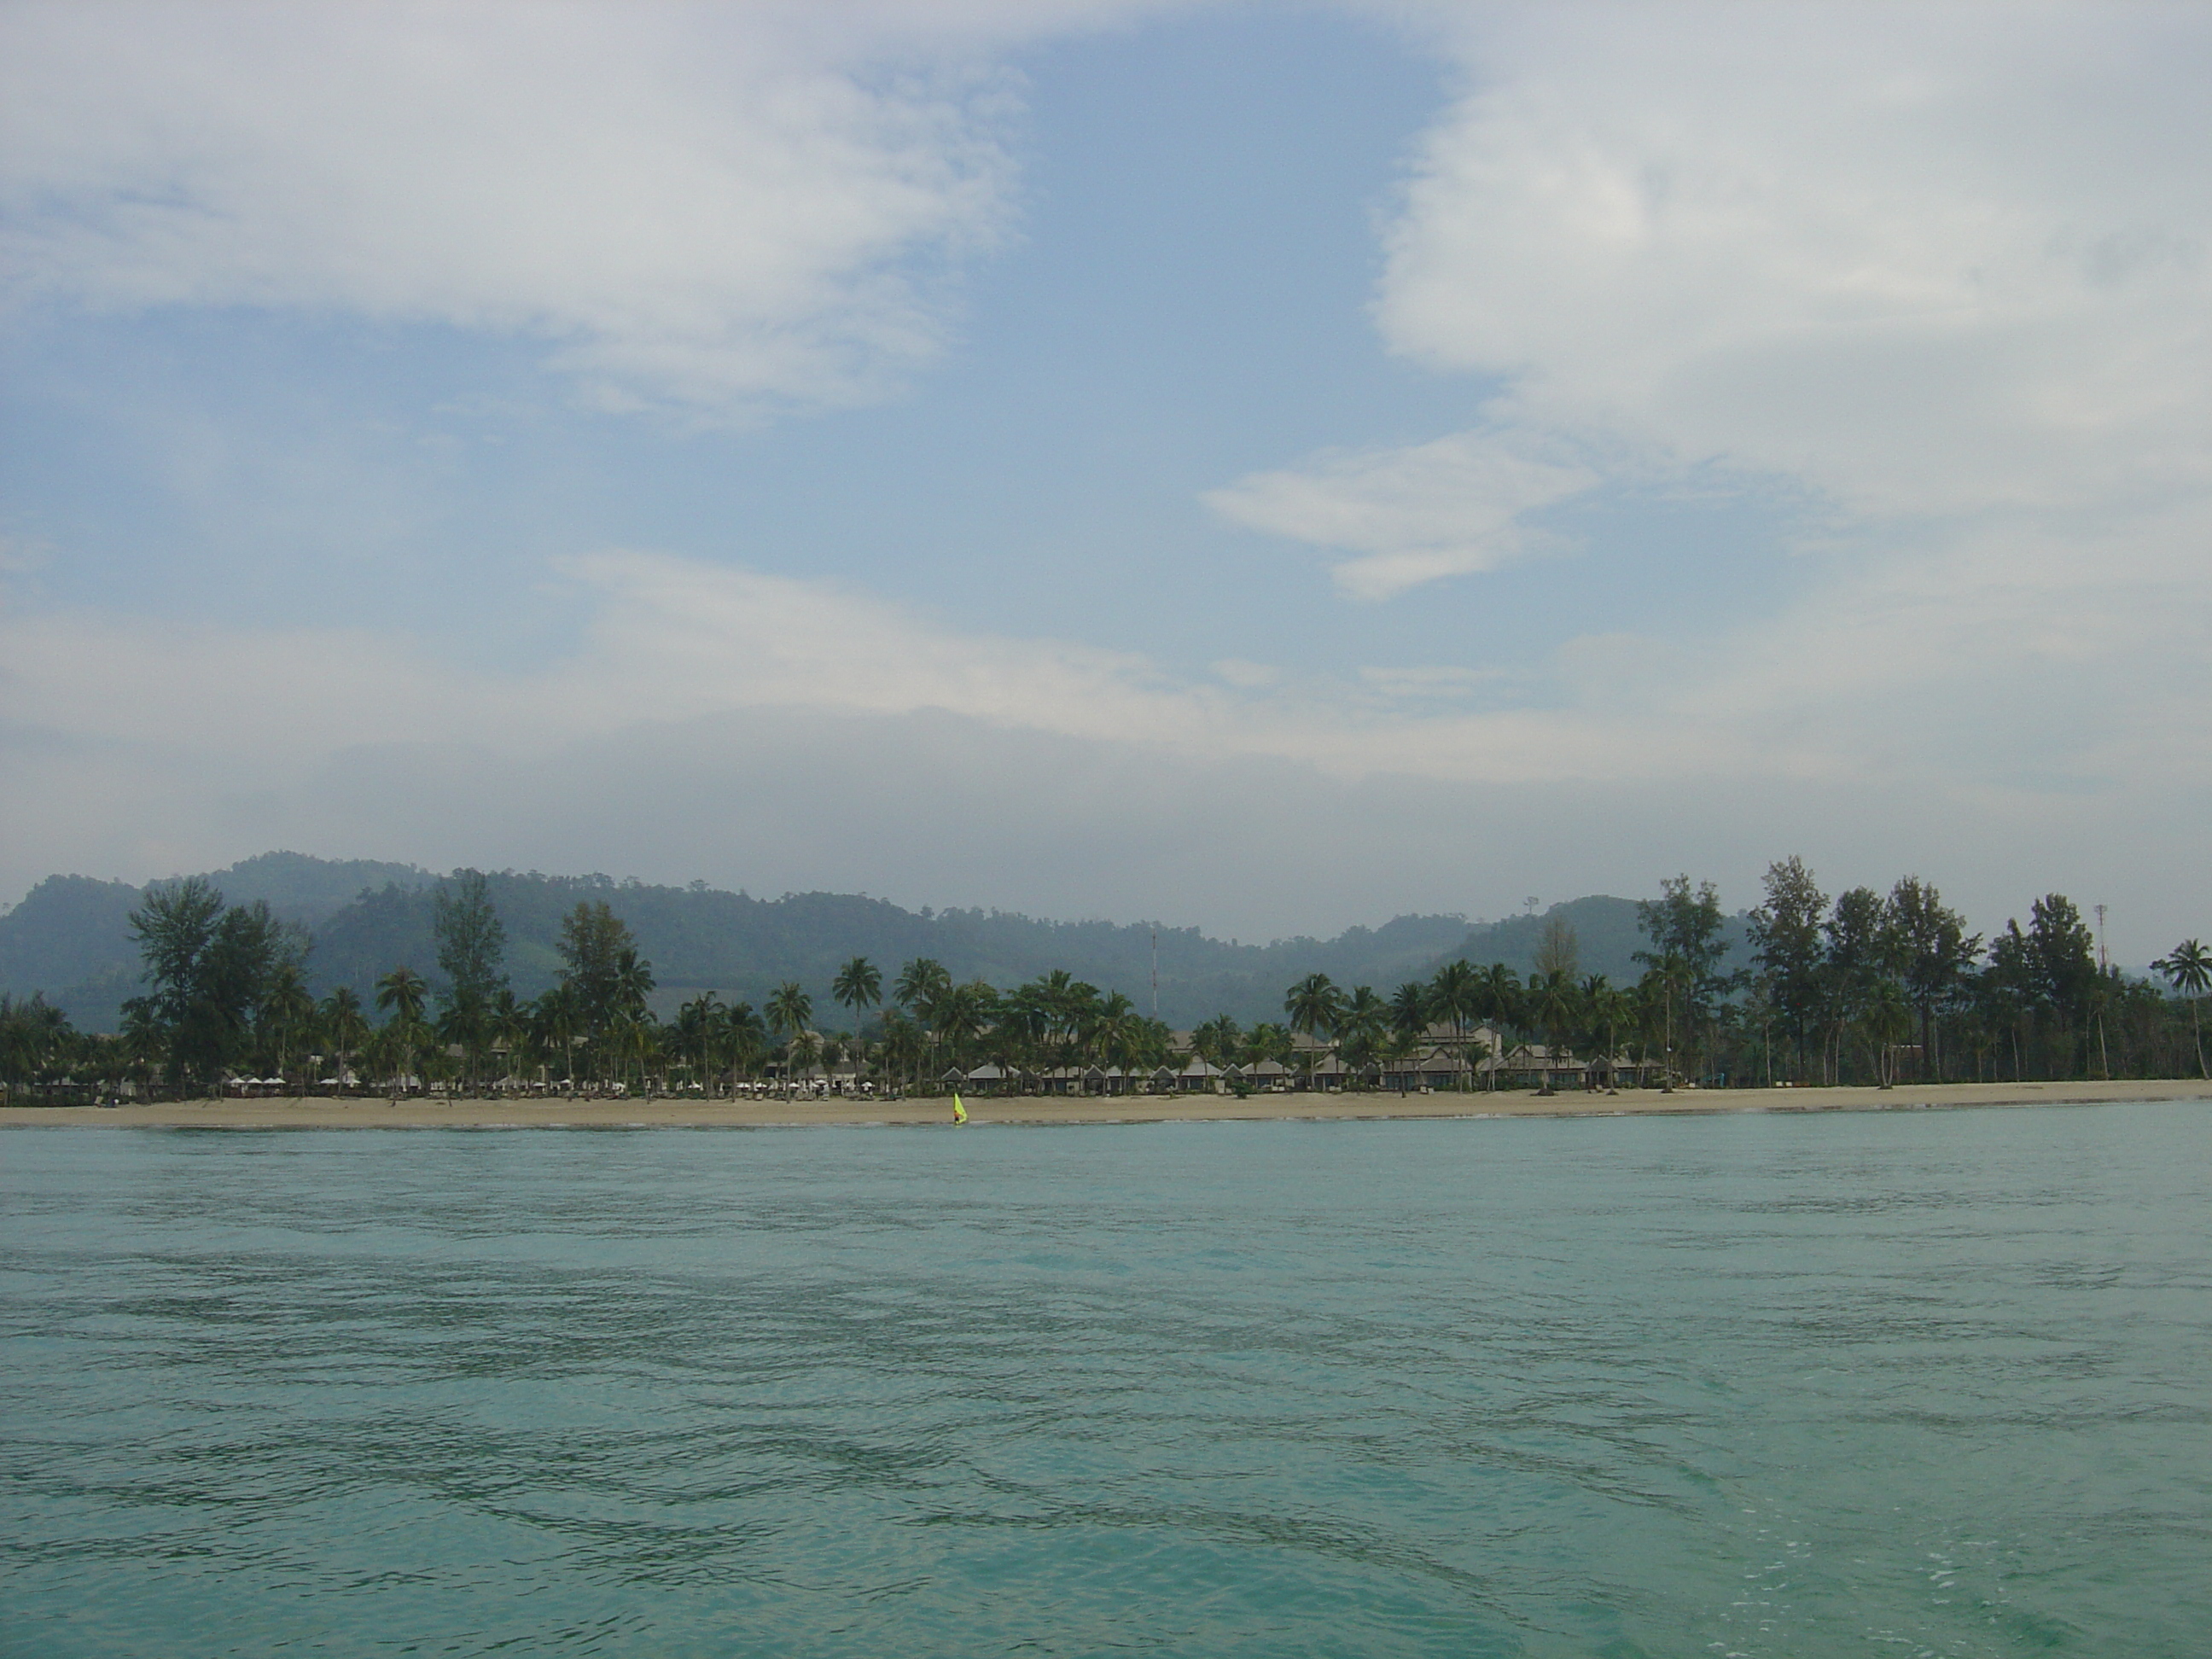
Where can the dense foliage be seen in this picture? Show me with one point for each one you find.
(71, 938)
(1861, 987)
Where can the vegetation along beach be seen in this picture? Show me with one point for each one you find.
(1804, 1001)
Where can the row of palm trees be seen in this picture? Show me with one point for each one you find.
(931, 1024)
(1476, 1011)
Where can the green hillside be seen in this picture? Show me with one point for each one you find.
(69, 939)
(70, 936)
(700, 938)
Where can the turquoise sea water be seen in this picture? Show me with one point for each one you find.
(1883, 1384)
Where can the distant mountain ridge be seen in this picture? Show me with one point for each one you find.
(69, 939)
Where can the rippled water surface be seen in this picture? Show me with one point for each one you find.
(1892, 1384)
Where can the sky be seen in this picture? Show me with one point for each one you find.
(1267, 467)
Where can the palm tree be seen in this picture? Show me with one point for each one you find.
(1411, 1008)
(635, 1039)
(402, 994)
(921, 989)
(632, 981)
(1499, 989)
(1115, 1033)
(1026, 1022)
(804, 1049)
(509, 1027)
(859, 986)
(1069, 1005)
(288, 1011)
(1360, 1027)
(465, 1023)
(903, 1044)
(790, 1010)
(698, 1032)
(1216, 1043)
(966, 1011)
(1315, 1006)
(1456, 995)
(1267, 1040)
(1149, 1044)
(345, 1026)
(1885, 1020)
(380, 1055)
(921, 981)
(2189, 970)
(1603, 1009)
(554, 1019)
(1410, 1011)
(743, 1040)
(143, 1042)
(1556, 1009)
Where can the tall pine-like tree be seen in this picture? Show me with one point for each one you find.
(1684, 925)
(472, 941)
(208, 970)
(1933, 954)
(1786, 942)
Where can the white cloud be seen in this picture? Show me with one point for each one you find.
(1944, 273)
(1925, 259)
(672, 638)
(723, 207)
(1439, 509)
(1846, 688)
(1933, 263)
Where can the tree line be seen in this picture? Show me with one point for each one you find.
(1871, 987)
(1863, 986)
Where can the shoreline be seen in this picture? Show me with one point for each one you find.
(361, 1113)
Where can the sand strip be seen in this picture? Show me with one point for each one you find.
(376, 1114)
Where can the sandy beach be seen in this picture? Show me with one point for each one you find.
(376, 1114)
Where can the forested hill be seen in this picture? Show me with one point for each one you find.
(70, 936)
(69, 939)
(700, 938)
